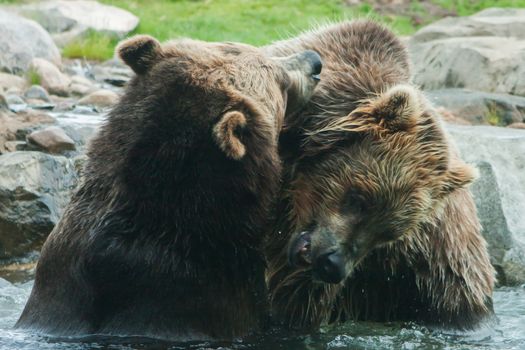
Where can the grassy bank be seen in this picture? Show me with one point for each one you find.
(259, 22)
(249, 21)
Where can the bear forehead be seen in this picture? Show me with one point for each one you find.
(364, 157)
(218, 66)
(374, 174)
(210, 52)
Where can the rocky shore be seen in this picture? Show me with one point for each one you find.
(472, 69)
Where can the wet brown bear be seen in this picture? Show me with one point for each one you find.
(163, 237)
(374, 214)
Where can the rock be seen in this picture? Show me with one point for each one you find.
(81, 134)
(33, 118)
(81, 86)
(15, 102)
(21, 41)
(8, 81)
(37, 92)
(478, 107)
(34, 189)
(516, 126)
(13, 146)
(100, 98)
(16, 126)
(51, 139)
(496, 22)
(18, 271)
(4, 106)
(112, 72)
(499, 154)
(449, 117)
(14, 91)
(29, 121)
(489, 64)
(40, 105)
(70, 20)
(513, 263)
(63, 106)
(51, 78)
(79, 90)
(78, 79)
(483, 52)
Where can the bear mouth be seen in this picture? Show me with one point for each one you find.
(299, 253)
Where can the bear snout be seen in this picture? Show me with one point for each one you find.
(330, 267)
(316, 64)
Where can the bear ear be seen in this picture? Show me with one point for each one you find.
(399, 108)
(226, 134)
(139, 52)
(459, 176)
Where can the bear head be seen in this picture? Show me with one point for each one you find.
(368, 179)
(231, 89)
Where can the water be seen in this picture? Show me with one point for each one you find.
(80, 116)
(508, 334)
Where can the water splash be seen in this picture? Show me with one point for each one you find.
(508, 334)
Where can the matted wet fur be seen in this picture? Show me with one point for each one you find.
(163, 237)
(369, 152)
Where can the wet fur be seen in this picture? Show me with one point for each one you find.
(163, 237)
(440, 274)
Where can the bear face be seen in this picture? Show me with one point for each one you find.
(367, 180)
(245, 94)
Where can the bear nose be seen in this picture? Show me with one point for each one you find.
(316, 64)
(330, 267)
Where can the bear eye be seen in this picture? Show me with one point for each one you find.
(354, 204)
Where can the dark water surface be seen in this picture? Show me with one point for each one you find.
(509, 333)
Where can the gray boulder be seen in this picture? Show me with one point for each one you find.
(36, 92)
(478, 107)
(51, 139)
(100, 98)
(483, 52)
(496, 22)
(4, 106)
(51, 78)
(69, 20)
(21, 41)
(8, 81)
(113, 72)
(81, 86)
(34, 190)
(499, 154)
(81, 134)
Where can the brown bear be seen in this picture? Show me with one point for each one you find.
(374, 220)
(163, 237)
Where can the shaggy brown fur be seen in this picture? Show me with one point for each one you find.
(163, 237)
(371, 176)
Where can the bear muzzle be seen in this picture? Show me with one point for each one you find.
(329, 267)
(325, 258)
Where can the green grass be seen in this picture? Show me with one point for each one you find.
(257, 22)
(249, 21)
(493, 117)
(242, 20)
(93, 46)
(33, 77)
